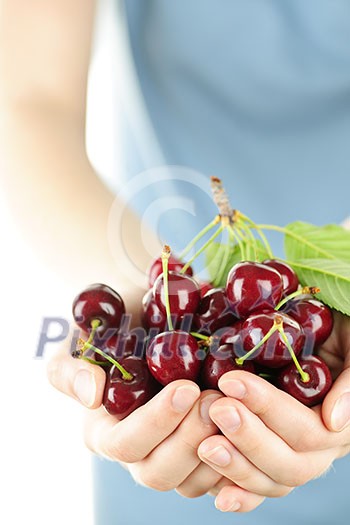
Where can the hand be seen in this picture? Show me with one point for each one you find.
(264, 428)
(158, 442)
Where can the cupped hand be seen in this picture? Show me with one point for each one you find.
(158, 442)
(271, 443)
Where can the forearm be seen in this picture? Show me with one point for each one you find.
(58, 201)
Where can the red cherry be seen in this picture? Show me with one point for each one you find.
(173, 355)
(312, 392)
(213, 312)
(218, 363)
(120, 346)
(156, 268)
(253, 286)
(121, 397)
(184, 294)
(151, 316)
(289, 277)
(204, 287)
(98, 301)
(274, 352)
(231, 335)
(315, 318)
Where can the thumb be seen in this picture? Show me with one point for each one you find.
(77, 378)
(336, 406)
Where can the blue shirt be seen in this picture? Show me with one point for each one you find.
(256, 92)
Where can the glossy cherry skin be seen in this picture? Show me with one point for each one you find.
(231, 334)
(124, 345)
(122, 397)
(315, 318)
(184, 294)
(151, 316)
(205, 287)
(213, 312)
(289, 277)
(218, 363)
(156, 268)
(314, 391)
(273, 353)
(174, 355)
(253, 286)
(98, 301)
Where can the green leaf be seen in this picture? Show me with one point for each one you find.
(215, 256)
(332, 276)
(306, 241)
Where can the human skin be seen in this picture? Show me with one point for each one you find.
(44, 57)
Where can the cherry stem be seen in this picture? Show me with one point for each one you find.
(302, 291)
(239, 242)
(249, 233)
(224, 261)
(93, 362)
(198, 237)
(304, 375)
(165, 259)
(273, 329)
(204, 247)
(95, 323)
(220, 197)
(200, 336)
(259, 228)
(125, 374)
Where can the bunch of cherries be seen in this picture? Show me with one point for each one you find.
(262, 322)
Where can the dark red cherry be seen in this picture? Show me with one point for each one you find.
(253, 286)
(213, 312)
(184, 294)
(289, 277)
(315, 318)
(218, 363)
(274, 352)
(124, 345)
(151, 316)
(174, 355)
(121, 397)
(204, 287)
(315, 390)
(231, 335)
(156, 268)
(98, 301)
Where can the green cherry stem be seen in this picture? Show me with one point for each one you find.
(304, 375)
(201, 250)
(259, 228)
(239, 242)
(93, 362)
(95, 323)
(224, 261)
(273, 329)
(302, 291)
(165, 260)
(200, 336)
(198, 237)
(125, 374)
(246, 229)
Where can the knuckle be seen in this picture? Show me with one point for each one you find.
(281, 491)
(154, 481)
(297, 478)
(191, 492)
(122, 452)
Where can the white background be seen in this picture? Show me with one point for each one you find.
(45, 469)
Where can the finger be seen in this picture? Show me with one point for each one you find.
(173, 460)
(199, 482)
(299, 426)
(133, 438)
(265, 449)
(76, 378)
(218, 453)
(235, 499)
(336, 406)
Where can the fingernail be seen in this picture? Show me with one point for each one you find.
(204, 408)
(227, 418)
(341, 413)
(184, 397)
(226, 504)
(85, 387)
(219, 456)
(234, 388)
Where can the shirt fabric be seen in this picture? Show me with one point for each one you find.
(256, 92)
